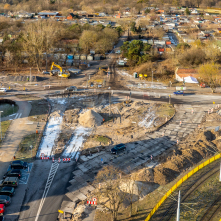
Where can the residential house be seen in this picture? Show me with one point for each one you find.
(72, 16)
(181, 73)
(194, 12)
(48, 14)
(127, 11)
(160, 11)
(118, 15)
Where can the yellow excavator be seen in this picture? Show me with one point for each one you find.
(59, 73)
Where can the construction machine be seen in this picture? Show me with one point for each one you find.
(60, 73)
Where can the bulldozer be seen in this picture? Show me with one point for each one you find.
(60, 73)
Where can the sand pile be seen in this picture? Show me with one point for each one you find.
(90, 119)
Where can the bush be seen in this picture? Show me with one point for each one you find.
(192, 57)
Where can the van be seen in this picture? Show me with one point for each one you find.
(3, 90)
(9, 181)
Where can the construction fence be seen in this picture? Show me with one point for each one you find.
(174, 187)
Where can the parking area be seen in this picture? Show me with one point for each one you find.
(12, 211)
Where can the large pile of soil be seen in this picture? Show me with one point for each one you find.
(185, 156)
(90, 119)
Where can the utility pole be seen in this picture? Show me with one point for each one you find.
(152, 78)
(1, 124)
(46, 62)
(178, 208)
(30, 75)
(109, 104)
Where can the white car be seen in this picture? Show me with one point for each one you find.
(3, 90)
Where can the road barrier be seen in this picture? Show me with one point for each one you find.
(44, 158)
(66, 159)
(174, 187)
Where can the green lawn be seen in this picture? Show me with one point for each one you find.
(28, 147)
(4, 126)
(8, 109)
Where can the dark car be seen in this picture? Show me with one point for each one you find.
(7, 190)
(46, 72)
(178, 92)
(118, 148)
(18, 164)
(13, 173)
(5, 200)
(9, 181)
(2, 209)
(71, 88)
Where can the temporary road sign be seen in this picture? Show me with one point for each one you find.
(92, 202)
(44, 158)
(60, 211)
(59, 160)
(42, 154)
(94, 199)
(66, 159)
(53, 159)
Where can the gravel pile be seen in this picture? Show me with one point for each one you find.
(90, 119)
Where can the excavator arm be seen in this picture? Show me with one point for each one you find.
(56, 65)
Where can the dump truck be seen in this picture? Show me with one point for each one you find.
(60, 72)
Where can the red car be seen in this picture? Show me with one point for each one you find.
(2, 209)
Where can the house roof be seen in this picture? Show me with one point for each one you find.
(186, 71)
(48, 13)
(187, 75)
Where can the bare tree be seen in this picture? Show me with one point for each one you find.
(208, 73)
(88, 40)
(109, 193)
(38, 38)
(8, 57)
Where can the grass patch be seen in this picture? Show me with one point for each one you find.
(8, 109)
(4, 125)
(25, 152)
(102, 139)
(165, 110)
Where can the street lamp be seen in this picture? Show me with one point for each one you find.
(1, 124)
(152, 78)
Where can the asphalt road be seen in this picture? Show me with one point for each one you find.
(36, 187)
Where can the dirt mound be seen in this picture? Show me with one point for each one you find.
(90, 119)
(185, 156)
(163, 175)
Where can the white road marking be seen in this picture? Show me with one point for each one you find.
(53, 170)
(16, 116)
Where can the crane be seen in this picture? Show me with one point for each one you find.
(60, 73)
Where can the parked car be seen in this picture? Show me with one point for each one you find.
(18, 164)
(2, 209)
(178, 92)
(203, 85)
(13, 173)
(7, 190)
(71, 88)
(118, 148)
(3, 90)
(9, 181)
(5, 200)
(46, 72)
